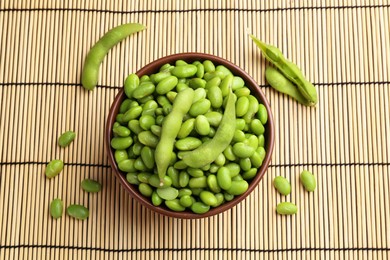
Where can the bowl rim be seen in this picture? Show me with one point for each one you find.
(190, 57)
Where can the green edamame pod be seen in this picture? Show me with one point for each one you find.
(289, 69)
(170, 129)
(56, 208)
(208, 152)
(77, 211)
(89, 76)
(286, 208)
(54, 168)
(66, 138)
(92, 186)
(280, 83)
(308, 180)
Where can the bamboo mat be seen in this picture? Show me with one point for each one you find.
(342, 47)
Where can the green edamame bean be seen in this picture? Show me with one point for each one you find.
(240, 124)
(226, 85)
(134, 126)
(252, 141)
(132, 113)
(199, 182)
(214, 118)
(119, 119)
(66, 138)
(146, 122)
(148, 138)
(308, 180)
(212, 183)
(168, 193)
(188, 143)
(214, 168)
(242, 106)
(120, 155)
(257, 127)
(238, 187)
(262, 114)
(289, 70)
(151, 104)
(199, 93)
(147, 155)
(121, 143)
(159, 120)
(166, 67)
(200, 208)
(56, 208)
(209, 151)
(208, 198)
(214, 82)
(171, 127)
(214, 74)
(180, 63)
(174, 175)
(196, 83)
(202, 125)
(144, 177)
(186, 128)
(144, 78)
(250, 174)
(127, 165)
(262, 152)
(54, 168)
(140, 165)
(214, 94)
(181, 86)
(282, 185)
(132, 178)
(223, 178)
(237, 178)
(228, 152)
(77, 211)
(184, 191)
(174, 205)
(196, 191)
(143, 90)
(227, 196)
(137, 148)
(92, 186)
(245, 164)
(89, 75)
(171, 95)
(208, 66)
(261, 140)
(224, 70)
(242, 92)
(180, 165)
(156, 200)
(200, 70)
(286, 208)
(212, 132)
(158, 77)
(166, 85)
(252, 109)
(220, 160)
(121, 131)
(184, 178)
(186, 201)
(146, 99)
(200, 107)
(131, 83)
(234, 169)
(239, 136)
(154, 181)
(184, 71)
(238, 83)
(195, 172)
(242, 150)
(220, 199)
(145, 189)
(156, 130)
(256, 159)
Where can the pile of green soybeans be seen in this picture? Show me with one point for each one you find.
(190, 136)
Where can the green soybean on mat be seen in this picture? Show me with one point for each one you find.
(343, 47)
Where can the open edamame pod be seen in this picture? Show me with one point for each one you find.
(96, 54)
(280, 83)
(289, 69)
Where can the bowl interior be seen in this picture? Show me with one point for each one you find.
(154, 67)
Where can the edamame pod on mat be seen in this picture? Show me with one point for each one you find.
(288, 69)
(96, 54)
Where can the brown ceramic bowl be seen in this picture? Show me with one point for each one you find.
(153, 68)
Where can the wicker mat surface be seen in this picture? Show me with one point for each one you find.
(342, 47)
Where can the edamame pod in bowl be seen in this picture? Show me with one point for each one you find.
(195, 114)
